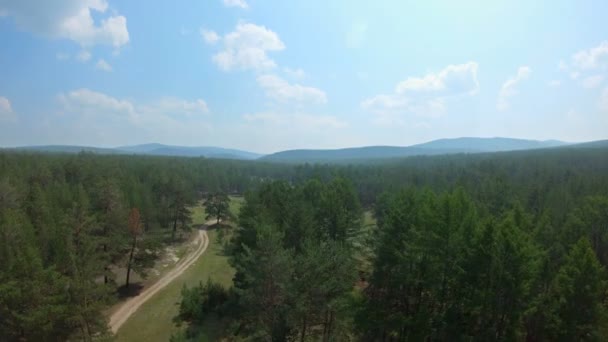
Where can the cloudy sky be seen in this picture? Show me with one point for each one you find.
(267, 75)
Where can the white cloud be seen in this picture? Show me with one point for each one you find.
(509, 88)
(88, 102)
(177, 106)
(424, 96)
(276, 130)
(282, 91)
(603, 103)
(83, 56)
(393, 110)
(103, 65)
(246, 48)
(69, 19)
(91, 117)
(235, 3)
(592, 81)
(294, 73)
(385, 102)
(305, 121)
(460, 78)
(593, 58)
(6, 110)
(209, 36)
(554, 83)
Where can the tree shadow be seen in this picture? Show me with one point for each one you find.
(217, 226)
(133, 290)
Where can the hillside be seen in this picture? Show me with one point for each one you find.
(435, 147)
(68, 149)
(187, 151)
(469, 144)
(149, 149)
(345, 155)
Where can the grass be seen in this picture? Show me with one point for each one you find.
(363, 254)
(369, 222)
(154, 319)
(236, 202)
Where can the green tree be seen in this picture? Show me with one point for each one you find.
(217, 206)
(325, 274)
(263, 284)
(135, 230)
(87, 297)
(111, 220)
(578, 291)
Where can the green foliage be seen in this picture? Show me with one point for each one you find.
(199, 302)
(217, 206)
(507, 246)
(578, 291)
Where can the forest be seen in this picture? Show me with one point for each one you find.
(468, 247)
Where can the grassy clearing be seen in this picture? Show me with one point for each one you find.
(369, 222)
(236, 202)
(154, 320)
(363, 253)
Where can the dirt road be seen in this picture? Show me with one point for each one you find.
(120, 316)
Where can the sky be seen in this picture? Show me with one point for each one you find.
(266, 76)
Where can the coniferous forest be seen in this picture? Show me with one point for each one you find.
(469, 247)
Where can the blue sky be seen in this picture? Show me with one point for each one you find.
(272, 75)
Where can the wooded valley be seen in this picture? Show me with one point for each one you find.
(472, 247)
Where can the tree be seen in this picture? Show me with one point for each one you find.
(87, 296)
(264, 274)
(578, 289)
(324, 275)
(111, 219)
(32, 298)
(181, 201)
(135, 231)
(340, 210)
(217, 206)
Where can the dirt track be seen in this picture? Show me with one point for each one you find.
(120, 316)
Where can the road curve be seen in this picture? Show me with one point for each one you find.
(120, 316)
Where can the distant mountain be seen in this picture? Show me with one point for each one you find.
(488, 144)
(67, 149)
(591, 144)
(149, 149)
(435, 147)
(346, 155)
(185, 151)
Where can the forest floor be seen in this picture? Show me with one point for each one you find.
(126, 309)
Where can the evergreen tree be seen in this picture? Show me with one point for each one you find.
(217, 206)
(265, 275)
(578, 292)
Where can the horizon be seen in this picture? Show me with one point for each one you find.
(295, 149)
(266, 77)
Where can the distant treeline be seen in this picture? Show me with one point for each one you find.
(527, 225)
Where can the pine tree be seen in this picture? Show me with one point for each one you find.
(135, 231)
(264, 274)
(577, 292)
(324, 275)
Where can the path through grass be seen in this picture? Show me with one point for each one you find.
(154, 319)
